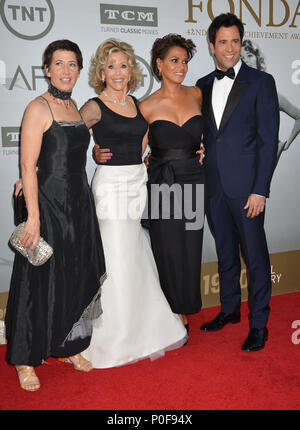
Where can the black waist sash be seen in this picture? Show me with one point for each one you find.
(160, 169)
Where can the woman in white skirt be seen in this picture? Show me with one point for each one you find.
(137, 321)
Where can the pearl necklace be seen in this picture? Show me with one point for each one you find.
(115, 101)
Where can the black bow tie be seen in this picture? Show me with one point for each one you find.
(220, 74)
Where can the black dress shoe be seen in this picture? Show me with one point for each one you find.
(221, 320)
(256, 339)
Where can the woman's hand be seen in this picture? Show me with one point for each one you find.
(146, 159)
(18, 186)
(31, 233)
(201, 153)
(101, 154)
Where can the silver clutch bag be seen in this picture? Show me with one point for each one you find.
(39, 256)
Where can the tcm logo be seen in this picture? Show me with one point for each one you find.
(27, 19)
(128, 15)
(10, 136)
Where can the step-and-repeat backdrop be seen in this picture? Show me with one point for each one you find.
(271, 43)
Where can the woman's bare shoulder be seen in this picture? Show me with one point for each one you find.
(151, 99)
(147, 105)
(194, 91)
(37, 109)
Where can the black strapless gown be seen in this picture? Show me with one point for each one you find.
(51, 307)
(176, 248)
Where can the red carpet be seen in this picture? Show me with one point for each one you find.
(210, 373)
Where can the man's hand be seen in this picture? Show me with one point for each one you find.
(101, 154)
(255, 205)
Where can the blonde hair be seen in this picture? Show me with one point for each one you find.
(99, 60)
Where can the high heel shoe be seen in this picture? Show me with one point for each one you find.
(27, 378)
(187, 330)
(82, 365)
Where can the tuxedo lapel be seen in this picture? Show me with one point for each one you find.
(236, 93)
(207, 105)
(234, 97)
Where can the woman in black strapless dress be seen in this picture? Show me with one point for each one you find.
(175, 131)
(51, 307)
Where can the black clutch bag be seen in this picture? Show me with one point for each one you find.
(20, 210)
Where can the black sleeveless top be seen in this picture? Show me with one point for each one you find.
(64, 147)
(122, 135)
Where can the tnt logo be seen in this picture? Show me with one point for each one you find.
(27, 19)
(10, 136)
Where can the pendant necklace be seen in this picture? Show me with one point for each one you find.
(115, 101)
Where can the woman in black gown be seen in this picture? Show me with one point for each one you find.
(51, 307)
(175, 130)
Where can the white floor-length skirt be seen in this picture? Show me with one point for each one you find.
(137, 321)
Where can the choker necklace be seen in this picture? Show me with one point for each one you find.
(58, 94)
(115, 101)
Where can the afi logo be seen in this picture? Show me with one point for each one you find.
(148, 80)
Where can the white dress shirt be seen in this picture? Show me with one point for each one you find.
(220, 93)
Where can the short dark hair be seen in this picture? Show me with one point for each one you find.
(64, 45)
(224, 20)
(162, 45)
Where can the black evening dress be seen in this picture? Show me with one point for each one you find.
(51, 307)
(176, 210)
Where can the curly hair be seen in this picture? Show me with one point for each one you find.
(99, 60)
(162, 45)
(250, 46)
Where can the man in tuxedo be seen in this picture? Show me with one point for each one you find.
(241, 121)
